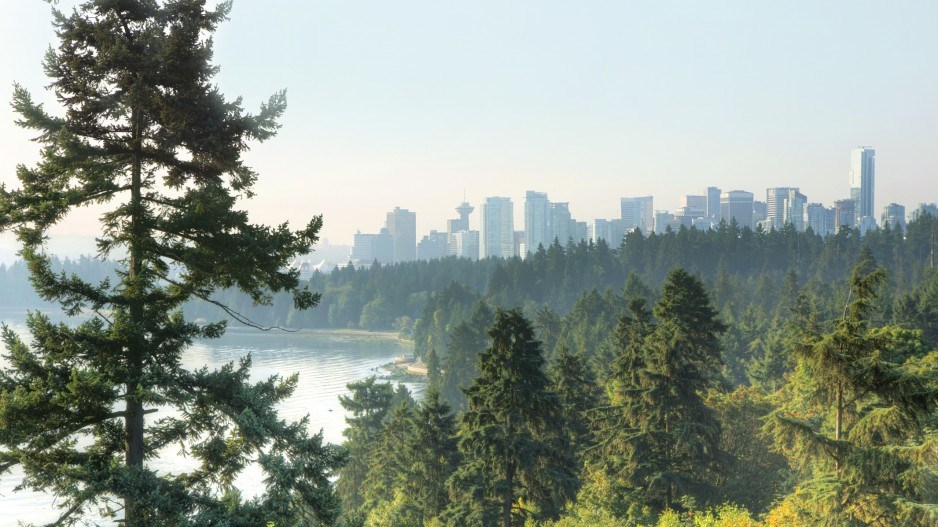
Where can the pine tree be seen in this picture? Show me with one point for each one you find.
(146, 135)
(662, 438)
(435, 455)
(858, 420)
(574, 382)
(515, 464)
(369, 405)
(434, 376)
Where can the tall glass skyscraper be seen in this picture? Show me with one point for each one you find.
(862, 180)
(536, 221)
(498, 228)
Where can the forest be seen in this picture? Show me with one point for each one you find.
(727, 377)
(727, 385)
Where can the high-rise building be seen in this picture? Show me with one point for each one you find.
(370, 248)
(433, 246)
(402, 224)
(610, 231)
(692, 208)
(738, 204)
(713, 203)
(894, 216)
(467, 245)
(638, 213)
(785, 205)
(498, 228)
(926, 208)
(536, 221)
(845, 214)
(561, 223)
(862, 180)
(820, 219)
(665, 220)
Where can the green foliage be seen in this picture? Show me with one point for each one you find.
(657, 439)
(369, 405)
(515, 464)
(146, 135)
(855, 420)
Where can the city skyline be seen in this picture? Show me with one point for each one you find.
(384, 109)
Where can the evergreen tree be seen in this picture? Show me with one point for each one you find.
(466, 341)
(666, 440)
(434, 376)
(145, 132)
(858, 421)
(369, 405)
(515, 464)
(575, 385)
(389, 460)
(435, 455)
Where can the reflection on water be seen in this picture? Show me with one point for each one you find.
(325, 361)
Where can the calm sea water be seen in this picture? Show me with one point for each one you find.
(325, 361)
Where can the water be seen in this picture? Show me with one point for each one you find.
(325, 361)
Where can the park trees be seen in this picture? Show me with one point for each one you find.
(511, 436)
(145, 135)
(858, 416)
(659, 439)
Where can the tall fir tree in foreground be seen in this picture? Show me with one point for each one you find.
(660, 439)
(858, 418)
(85, 410)
(517, 464)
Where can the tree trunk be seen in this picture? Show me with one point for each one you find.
(509, 484)
(133, 432)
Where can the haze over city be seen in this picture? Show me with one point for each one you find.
(430, 103)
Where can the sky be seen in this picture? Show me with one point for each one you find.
(418, 103)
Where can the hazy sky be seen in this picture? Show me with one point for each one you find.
(413, 103)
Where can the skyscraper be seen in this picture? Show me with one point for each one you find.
(498, 228)
(713, 203)
(785, 205)
(820, 219)
(402, 224)
(862, 180)
(845, 214)
(562, 225)
(737, 204)
(638, 213)
(894, 215)
(536, 221)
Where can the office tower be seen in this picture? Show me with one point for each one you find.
(692, 207)
(713, 203)
(402, 224)
(498, 228)
(820, 219)
(665, 220)
(740, 205)
(580, 231)
(758, 213)
(638, 213)
(610, 231)
(845, 213)
(894, 215)
(862, 180)
(370, 248)
(536, 221)
(926, 208)
(433, 246)
(561, 223)
(467, 245)
(785, 205)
